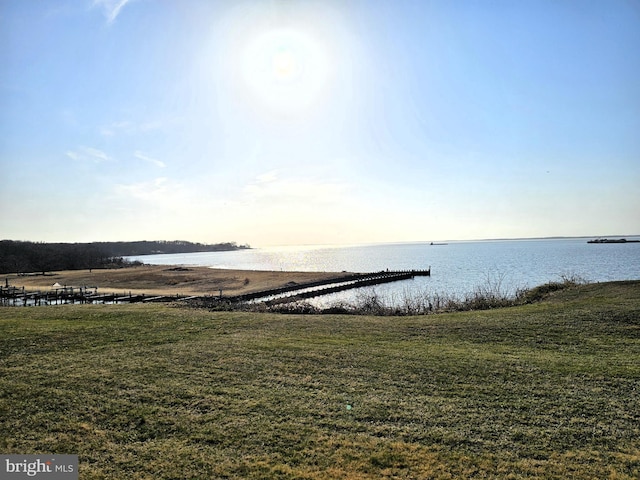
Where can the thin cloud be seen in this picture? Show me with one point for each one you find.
(151, 126)
(156, 190)
(88, 154)
(72, 155)
(141, 156)
(268, 177)
(270, 188)
(116, 127)
(161, 194)
(110, 8)
(127, 127)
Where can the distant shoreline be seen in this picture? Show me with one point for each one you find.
(25, 256)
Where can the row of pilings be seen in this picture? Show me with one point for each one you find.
(19, 297)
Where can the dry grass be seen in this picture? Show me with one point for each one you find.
(169, 280)
(548, 390)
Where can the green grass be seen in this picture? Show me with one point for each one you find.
(548, 390)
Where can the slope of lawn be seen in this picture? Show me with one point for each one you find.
(548, 390)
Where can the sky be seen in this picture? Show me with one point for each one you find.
(290, 122)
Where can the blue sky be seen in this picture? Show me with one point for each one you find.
(309, 122)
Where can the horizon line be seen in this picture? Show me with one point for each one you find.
(392, 242)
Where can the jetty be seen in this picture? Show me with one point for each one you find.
(324, 287)
(61, 295)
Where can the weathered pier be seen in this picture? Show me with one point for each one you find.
(17, 296)
(324, 287)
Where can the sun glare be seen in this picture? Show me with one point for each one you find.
(285, 69)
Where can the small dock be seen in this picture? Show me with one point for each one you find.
(17, 296)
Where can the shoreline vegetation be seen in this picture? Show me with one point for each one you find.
(488, 296)
(28, 257)
(543, 390)
(367, 301)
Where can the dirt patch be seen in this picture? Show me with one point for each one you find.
(163, 280)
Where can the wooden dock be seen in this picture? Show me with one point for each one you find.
(292, 293)
(356, 280)
(17, 296)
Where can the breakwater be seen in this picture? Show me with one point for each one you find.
(327, 287)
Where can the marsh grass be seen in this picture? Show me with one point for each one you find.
(544, 390)
(489, 295)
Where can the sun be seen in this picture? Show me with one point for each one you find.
(285, 69)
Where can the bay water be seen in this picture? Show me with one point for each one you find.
(457, 268)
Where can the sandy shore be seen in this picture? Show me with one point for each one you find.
(167, 280)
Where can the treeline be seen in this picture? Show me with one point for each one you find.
(28, 257)
(124, 249)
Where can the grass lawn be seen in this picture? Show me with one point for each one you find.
(549, 390)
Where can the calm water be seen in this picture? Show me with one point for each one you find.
(456, 268)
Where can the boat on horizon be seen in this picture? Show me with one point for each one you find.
(612, 240)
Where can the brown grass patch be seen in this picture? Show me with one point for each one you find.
(169, 280)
